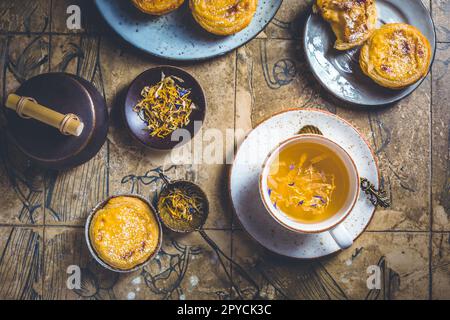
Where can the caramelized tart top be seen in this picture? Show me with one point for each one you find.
(124, 233)
(157, 7)
(352, 21)
(396, 55)
(223, 17)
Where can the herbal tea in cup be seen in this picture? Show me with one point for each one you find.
(309, 184)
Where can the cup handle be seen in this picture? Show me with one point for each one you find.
(341, 236)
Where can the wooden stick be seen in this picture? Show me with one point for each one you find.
(68, 124)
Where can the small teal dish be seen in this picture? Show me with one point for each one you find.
(177, 36)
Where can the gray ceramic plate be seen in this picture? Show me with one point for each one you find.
(176, 35)
(339, 72)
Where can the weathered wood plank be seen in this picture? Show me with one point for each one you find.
(71, 194)
(185, 268)
(20, 263)
(25, 16)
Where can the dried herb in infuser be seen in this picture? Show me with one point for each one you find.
(180, 207)
(165, 107)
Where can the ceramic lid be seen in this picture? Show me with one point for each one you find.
(66, 94)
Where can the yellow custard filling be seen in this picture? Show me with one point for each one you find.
(223, 17)
(396, 55)
(124, 233)
(352, 21)
(157, 7)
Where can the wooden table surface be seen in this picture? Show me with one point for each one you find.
(43, 212)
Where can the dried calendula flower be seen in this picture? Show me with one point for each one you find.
(303, 186)
(180, 205)
(165, 107)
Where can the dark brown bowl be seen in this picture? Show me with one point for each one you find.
(64, 93)
(137, 127)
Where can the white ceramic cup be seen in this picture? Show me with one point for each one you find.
(334, 224)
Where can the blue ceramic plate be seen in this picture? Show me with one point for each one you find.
(339, 71)
(176, 35)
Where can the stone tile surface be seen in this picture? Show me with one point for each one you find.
(440, 13)
(400, 258)
(63, 11)
(272, 76)
(43, 212)
(402, 129)
(123, 65)
(289, 21)
(440, 266)
(441, 134)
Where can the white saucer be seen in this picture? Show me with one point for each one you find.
(244, 177)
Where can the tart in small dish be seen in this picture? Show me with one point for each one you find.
(124, 233)
(223, 17)
(396, 56)
(352, 21)
(157, 7)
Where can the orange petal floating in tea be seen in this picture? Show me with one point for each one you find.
(304, 180)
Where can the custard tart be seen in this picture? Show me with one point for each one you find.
(125, 232)
(223, 17)
(352, 21)
(396, 55)
(157, 7)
